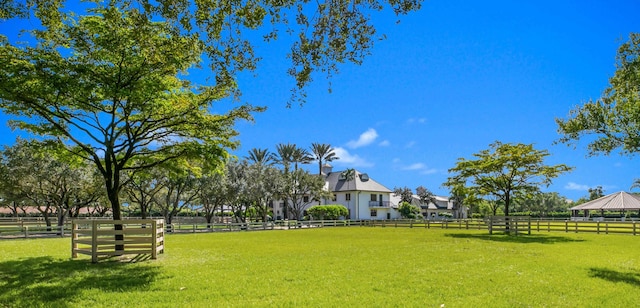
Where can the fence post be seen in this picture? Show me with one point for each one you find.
(597, 227)
(154, 239)
(634, 228)
(94, 241)
(466, 224)
(566, 226)
(529, 227)
(490, 225)
(74, 238)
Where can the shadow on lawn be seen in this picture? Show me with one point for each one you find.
(46, 281)
(632, 278)
(525, 239)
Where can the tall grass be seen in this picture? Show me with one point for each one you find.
(335, 267)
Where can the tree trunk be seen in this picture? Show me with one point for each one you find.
(506, 213)
(114, 199)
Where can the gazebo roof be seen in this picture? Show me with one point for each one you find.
(620, 201)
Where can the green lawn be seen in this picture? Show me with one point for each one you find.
(335, 267)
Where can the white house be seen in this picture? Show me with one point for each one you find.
(367, 199)
(364, 197)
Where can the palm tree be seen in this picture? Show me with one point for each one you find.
(285, 156)
(261, 156)
(349, 175)
(300, 156)
(636, 184)
(323, 152)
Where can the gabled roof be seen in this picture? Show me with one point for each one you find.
(360, 182)
(616, 201)
(442, 203)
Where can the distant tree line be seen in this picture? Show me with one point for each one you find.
(59, 185)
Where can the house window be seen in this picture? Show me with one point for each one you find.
(335, 197)
(374, 213)
(374, 197)
(347, 197)
(305, 199)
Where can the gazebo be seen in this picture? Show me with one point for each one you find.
(620, 201)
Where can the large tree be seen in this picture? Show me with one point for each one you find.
(106, 76)
(614, 118)
(51, 182)
(108, 85)
(323, 34)
(141, 190)
(305, 189)
(405, 194)
(503, 172)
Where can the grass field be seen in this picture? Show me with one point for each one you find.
(334, 267)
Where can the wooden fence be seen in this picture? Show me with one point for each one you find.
(519, 225)
(31, 228)
(476, 224)
(509, 224)
(97, 238)
(197, 227)
(38, 228)
(606, 227)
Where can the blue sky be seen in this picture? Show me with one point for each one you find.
(450, 80)
(447, 82)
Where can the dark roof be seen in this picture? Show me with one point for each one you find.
(361, 182)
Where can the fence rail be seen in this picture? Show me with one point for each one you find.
(38, 228)
(32, 228)
(107, 238)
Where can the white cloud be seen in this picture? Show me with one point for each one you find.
(410, 144)
(418, 120)
(420, 167)
(574, 186)
(416, 166)
(350, 160)
(384, 143)
(429, 171)
(366, 138)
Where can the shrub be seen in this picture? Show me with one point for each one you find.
(329, 211)
(408, 210)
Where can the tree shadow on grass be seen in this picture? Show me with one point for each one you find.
(46, 281)
(632, 278)
(524, 239)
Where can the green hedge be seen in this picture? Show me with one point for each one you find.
(329, 211)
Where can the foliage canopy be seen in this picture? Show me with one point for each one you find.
(504, 171)
(614, 118)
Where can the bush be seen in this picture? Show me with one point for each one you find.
(407, 210)
(329, 211)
